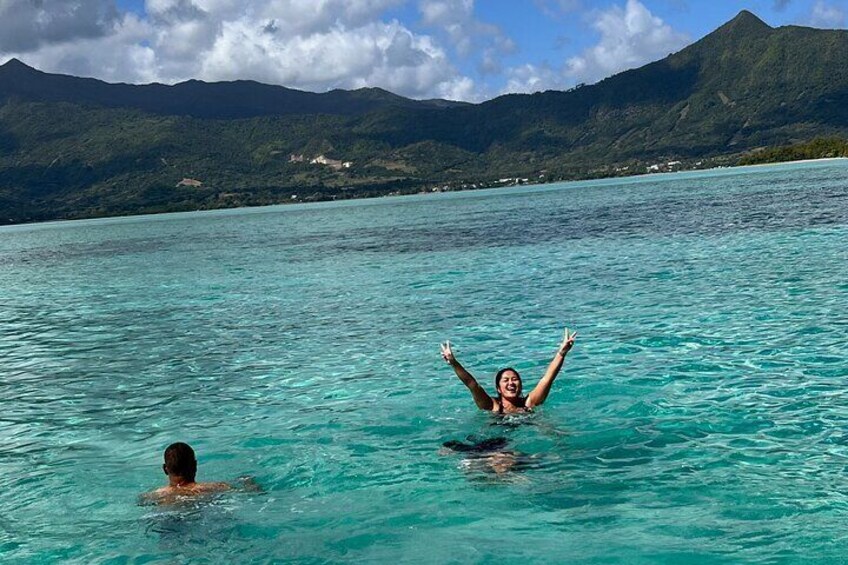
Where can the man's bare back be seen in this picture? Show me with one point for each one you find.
(173, 494)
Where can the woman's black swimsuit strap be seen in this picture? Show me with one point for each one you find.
(524, 409)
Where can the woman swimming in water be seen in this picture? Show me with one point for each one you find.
(508, 382)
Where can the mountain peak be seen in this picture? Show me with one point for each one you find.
(735, 34)
(745, 22)
(15, 64)
(14, 71)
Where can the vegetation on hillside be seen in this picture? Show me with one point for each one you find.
(73, 148)
(819, 148)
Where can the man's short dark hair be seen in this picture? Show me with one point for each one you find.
(180, 461)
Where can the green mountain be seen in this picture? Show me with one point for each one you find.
(72, 147)
(219, 100)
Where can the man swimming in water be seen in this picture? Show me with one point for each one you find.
(508, 382)
(181, 468)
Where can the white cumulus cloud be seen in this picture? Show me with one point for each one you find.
(534, 78)
(827, 16)
(28, 24)
(456, 20)
(376, 54)
(309, 44)
(630, 36)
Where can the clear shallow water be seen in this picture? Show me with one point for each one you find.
(701, 416)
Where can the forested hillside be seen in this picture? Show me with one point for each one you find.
(73, 147)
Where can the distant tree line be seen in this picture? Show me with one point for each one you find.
(819, 148)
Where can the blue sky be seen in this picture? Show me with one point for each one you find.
(460, 49)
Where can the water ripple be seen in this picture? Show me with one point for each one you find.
(700, 418)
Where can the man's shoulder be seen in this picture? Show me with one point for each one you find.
(169, 494)
(212, 487)
(154, 496)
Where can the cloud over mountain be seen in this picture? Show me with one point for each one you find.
(28, 24)
(457, 49)
(828, 15)
(314, 45)
(630, 36)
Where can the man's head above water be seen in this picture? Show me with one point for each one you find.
(181, 468)
(180, 463)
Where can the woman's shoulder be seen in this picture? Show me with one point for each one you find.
(499, 408)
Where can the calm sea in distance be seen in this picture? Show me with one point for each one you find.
(701, 417)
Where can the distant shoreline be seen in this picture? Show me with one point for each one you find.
(657, 173)
(728, 168)
(795, 162)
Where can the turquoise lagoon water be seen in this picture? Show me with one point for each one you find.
(701, 416)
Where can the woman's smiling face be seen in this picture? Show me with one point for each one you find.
(509, 385)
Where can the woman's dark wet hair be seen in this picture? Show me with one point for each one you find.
(180, 461)
(500, 375)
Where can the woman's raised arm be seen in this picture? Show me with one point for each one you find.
(540, 393)
(481, 398)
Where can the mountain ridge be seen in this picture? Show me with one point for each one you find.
(221, 100)
(742, 87)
